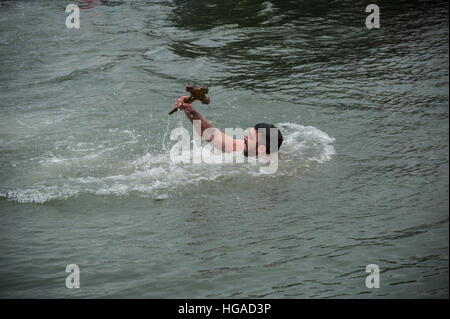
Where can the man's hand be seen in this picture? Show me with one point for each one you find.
(181, 105)
(217, 138)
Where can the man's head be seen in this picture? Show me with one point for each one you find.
(260, 139)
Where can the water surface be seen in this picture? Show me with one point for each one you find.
(86, 176)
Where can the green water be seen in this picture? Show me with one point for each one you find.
(86, 175)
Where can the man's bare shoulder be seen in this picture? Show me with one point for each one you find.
(230, 144)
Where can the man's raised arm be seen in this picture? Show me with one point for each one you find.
(213, 135)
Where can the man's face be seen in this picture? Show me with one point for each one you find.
(251, 143)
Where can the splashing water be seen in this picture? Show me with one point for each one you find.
(153, 174)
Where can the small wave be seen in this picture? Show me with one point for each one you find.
(268, 9)
(40, 194)
(154, 175)
(75, 74)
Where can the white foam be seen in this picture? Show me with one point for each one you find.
(154, 175)
(307, 142)
(41, 194)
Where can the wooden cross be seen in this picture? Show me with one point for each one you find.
(196, 94)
